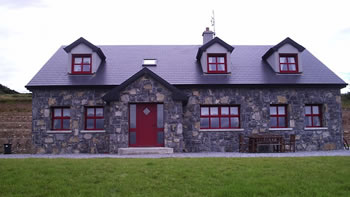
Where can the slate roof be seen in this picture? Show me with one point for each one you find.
(177, 65)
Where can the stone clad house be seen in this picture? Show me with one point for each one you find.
(187, 98)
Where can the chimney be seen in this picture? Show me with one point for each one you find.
(207, 35)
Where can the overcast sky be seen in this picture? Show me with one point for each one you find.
(32, 30)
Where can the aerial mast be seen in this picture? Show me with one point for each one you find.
(213, 22)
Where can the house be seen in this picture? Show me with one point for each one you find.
(193, 98)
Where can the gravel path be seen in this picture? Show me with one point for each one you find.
(180, 155)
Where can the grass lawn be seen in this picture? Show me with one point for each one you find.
(313, 176)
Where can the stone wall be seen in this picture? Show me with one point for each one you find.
(254, 113)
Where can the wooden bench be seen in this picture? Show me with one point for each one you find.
(266, 143)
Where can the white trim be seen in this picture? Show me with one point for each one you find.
(221, 129)
(93, 131)
(316, 128)
(280, 129)
(59, 131)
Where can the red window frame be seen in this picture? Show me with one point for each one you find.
(94, 117)
(279, 115)
(313, 114)
(288, 64)
(216, 63)
(220, 116)
(81, 64)
(61, 118)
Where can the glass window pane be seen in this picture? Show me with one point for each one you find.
(214, 122)
(57, 112)
(315, 110)
(214, 111)
(77, 68)
(291, 60)
(160, 137)
(133, 116)
(292, 67)
(307, 109)
(234, 110)
(212, 67)
(99, 112)
(90, 123)
(204, 111)
(225, 122)
(86, 68)
(273, 121)
(273, 110)
(308, 122)
(281, 110)
(316, 120)
(149, 62)
(281, 121)
(204, 122)
(57, 124)
(283, 59)
(212, 60)
(86, 60)
(66, 112)
(224, 111)
(77, 60)
(66, 124)
(221, 67)
(132, 137)
(221, 60)
(160, 116)
(100, 123)
(235, 122)
(284, 67)
(90, 112)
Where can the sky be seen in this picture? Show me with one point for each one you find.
(31, 31)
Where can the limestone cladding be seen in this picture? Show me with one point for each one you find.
(254, 113)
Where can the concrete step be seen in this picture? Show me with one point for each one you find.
(145, 150)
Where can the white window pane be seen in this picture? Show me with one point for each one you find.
(273, 110)
(77, 68)
(307, 109)
(90, 112)
(99, 112)
(273, 121)
(315, 110)
(212, 67)
(160, 116)
(99, 123)
(204, 122)
(204, 111)
(214, 122)
(235, 122)
(225, 122)
(57, 112)
(224, 111)
(66, 124)
(57, 124)
(214, 111)
(133, 116)
(86, 68)
(234, 110)
(308, 122)
(212, 60)
(89, 123)
(66, 112)
(221, 67)
(284, 67)
(292, 67)
(291, 60)
(283, 59)
(77, 60)
(87, 60)
(281, 110)
(221, 60)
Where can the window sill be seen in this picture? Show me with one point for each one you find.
(59, 131)
(291, 73)
(280, 129)
(240, 129)
(315, 128)
(93, 131)
(208, 74)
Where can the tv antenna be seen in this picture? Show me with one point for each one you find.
(213, 22)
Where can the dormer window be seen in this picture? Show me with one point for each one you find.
(217, 63)
(288, 63)
(81, 64)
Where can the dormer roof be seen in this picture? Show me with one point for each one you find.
(282, 43)
(210, 43)
(82, 40)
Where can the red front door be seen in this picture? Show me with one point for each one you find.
(145, 133)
